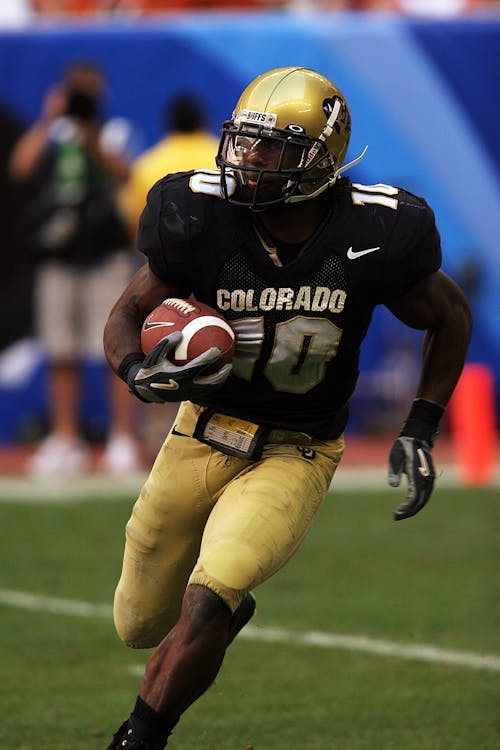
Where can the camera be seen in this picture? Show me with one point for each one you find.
(81, 105)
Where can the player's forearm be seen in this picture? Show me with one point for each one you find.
(444, 353)
(122, 334)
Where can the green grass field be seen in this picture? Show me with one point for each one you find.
(67, 681)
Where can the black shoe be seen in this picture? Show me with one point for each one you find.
(241, 616)
(126, 739)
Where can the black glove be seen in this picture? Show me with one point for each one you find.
(157, 379)
(411, 455)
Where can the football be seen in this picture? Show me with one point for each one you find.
(201, 326)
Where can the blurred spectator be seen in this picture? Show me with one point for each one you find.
(187, 144)
(84, 256)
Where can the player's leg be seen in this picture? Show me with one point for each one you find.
(162, 543)
(188, 660)
(259, 521)
(181, 668)
(164, 535)
(163, 540)
(262, 517)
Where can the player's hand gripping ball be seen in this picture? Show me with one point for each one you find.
(201, 326)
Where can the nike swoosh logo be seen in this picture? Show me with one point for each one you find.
(424, 466)
(148, 326)
(353, 254)
(181, 434)
(172, 385)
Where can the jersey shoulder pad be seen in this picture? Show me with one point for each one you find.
(164, 223)
(408, 221)
(414, 247)
(171, 213)
(378, 195)
(403, 225)
(415, 233)
(183, 211)
(396, 200)
(371, 209)
(187, 202)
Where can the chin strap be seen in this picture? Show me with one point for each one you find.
(329, 183)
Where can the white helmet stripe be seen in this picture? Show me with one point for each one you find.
(325, 133)
(328, 129)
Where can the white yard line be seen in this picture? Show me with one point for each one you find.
(53, 605)
(421, 652)
(79, 489)
(66, 491)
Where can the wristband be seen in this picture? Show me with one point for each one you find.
(423, 421)
(130, 359)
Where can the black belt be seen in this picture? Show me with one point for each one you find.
(241, 437)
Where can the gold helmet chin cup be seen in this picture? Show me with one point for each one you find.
(300, 102)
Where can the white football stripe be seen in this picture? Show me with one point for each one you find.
(54, 605)
(419, 652)
(196, 325)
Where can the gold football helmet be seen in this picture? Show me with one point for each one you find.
(286, 141)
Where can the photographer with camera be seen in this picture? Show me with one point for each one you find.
(83, 249)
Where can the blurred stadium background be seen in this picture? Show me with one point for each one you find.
(423, 92)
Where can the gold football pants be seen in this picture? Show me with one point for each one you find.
(207, 518)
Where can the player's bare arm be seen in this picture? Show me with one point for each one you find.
(437, 305)
(122, 333)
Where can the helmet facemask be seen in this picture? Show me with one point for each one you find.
(271, 165)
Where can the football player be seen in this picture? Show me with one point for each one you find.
(296, 257)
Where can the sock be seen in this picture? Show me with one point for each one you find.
(151, 725)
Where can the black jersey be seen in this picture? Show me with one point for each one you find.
(299, 325)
